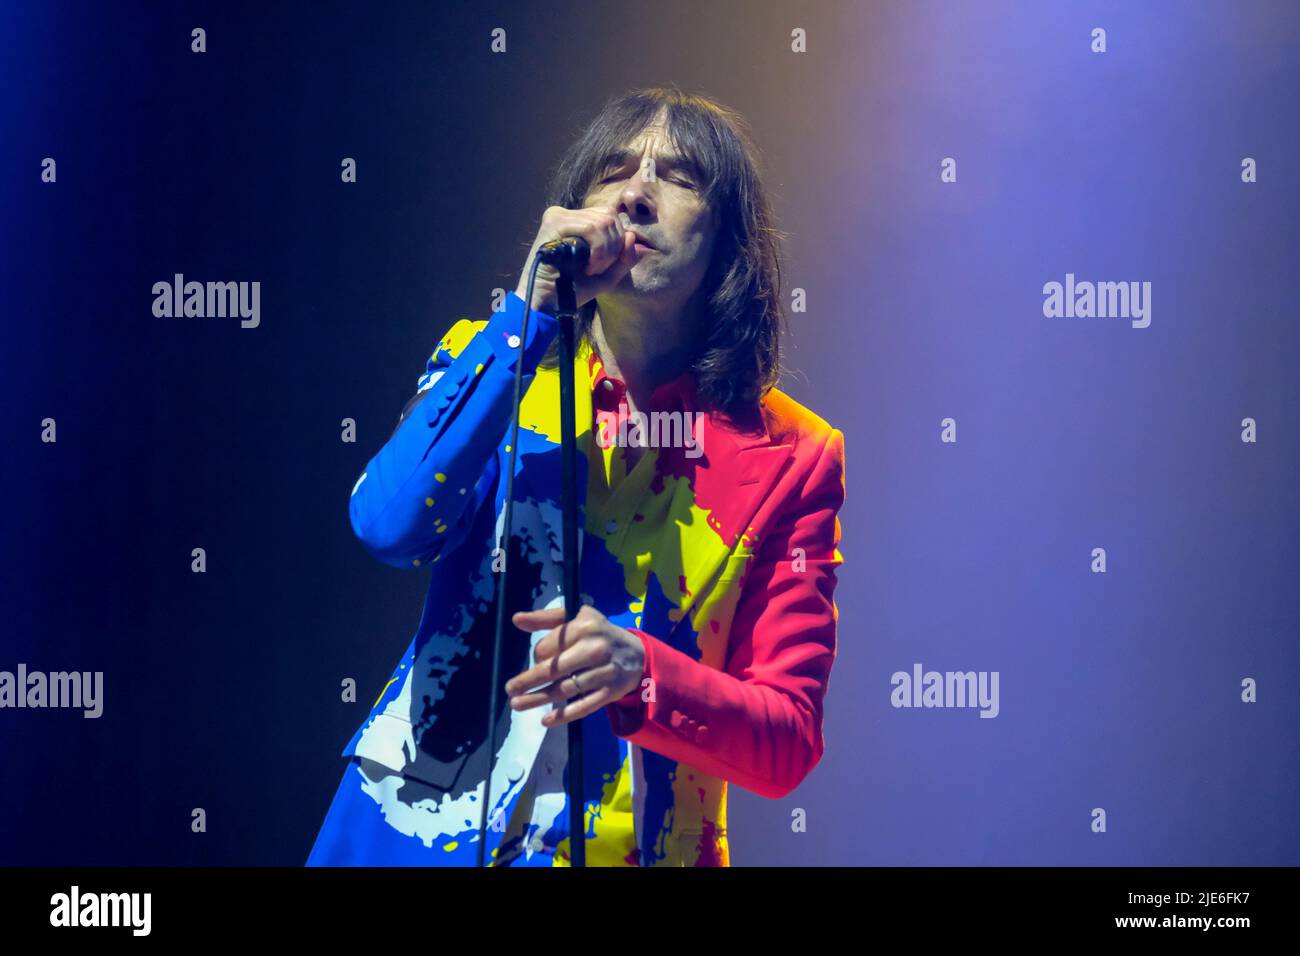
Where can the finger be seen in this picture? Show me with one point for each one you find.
(573, 659)
(613, 274)
(628, 257)
(606, 240)
(575, 685)
(568, 633)
(611, 238)
(586, 654)
(565, 636)
(593, 224)
(538, 619)
(579, 708)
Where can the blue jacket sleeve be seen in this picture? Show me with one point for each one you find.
(419, 493)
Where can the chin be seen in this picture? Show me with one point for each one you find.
(642, 280)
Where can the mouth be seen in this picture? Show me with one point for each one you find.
(642, 243)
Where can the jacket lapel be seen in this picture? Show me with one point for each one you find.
(733, 477)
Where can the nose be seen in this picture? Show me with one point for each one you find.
(636, 199)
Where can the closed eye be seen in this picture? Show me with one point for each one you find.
(676, 180)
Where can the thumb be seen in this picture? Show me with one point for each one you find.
(626, 260)
(612, 276)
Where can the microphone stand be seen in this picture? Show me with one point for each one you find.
(567, 314)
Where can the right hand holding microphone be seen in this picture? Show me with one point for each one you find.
(613, 254)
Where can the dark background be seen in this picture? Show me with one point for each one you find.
(222, 689)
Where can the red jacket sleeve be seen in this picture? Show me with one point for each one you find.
(758, 722)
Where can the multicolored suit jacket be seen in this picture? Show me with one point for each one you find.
(739, 644)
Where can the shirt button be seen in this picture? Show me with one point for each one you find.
(513, 341)
(611, 526)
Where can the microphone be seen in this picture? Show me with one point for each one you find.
(569, 254)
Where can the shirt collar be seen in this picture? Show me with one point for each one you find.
(607, 391)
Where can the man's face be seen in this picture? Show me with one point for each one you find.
(659, 195)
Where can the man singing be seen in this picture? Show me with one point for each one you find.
(710, 534)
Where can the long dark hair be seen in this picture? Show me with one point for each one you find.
(738, 359)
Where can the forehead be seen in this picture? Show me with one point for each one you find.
(654, 138)
(654, 142)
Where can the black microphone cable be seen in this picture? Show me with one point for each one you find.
(570, 255)
(503, 543)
